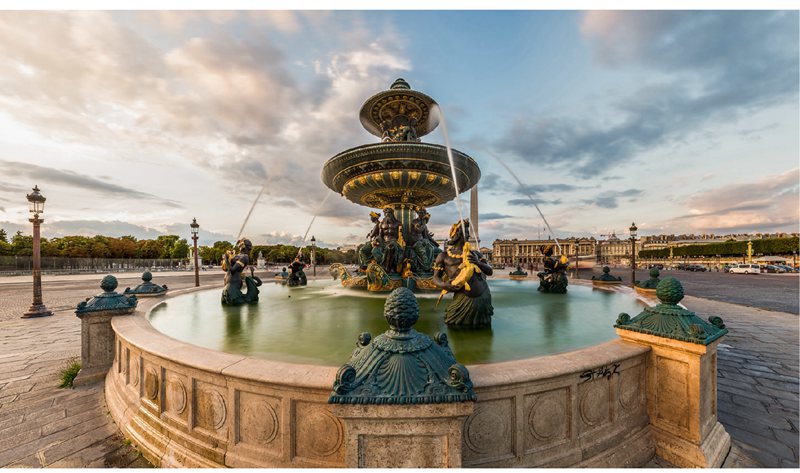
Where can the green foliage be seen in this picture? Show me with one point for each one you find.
(772, 246)
(3, 236)
(69, 373)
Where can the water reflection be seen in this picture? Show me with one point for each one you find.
(319, 323)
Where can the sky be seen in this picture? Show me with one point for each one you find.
(134, 122)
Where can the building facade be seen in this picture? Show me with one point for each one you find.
(528, 253)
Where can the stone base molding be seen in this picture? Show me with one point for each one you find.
(403, 436)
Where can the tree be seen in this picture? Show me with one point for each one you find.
(180, 249)
(3, 236)
(22, 245)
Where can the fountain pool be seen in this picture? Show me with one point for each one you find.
(312, 324)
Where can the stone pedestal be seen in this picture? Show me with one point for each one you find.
(682, 401)
(97, 336)
(403, 436)
(97, 347)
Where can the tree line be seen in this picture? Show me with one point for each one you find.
(772, 246)
(162, 247)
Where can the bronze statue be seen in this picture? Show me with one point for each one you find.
(554, 277)
(365, 250)
(393, 247)
(463, 271)
(234, 266)
(297, 277)
(423, 246)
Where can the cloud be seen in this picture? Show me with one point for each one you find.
(707, 67)
(492, 216)
(608, 199)
(114, 228)
(766, 204)
(73, 179)
(528, 203)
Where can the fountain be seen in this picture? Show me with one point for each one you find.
(400, 176)
(537, 379)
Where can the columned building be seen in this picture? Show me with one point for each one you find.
(528, 253)
(615, 250)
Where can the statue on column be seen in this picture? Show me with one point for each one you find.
(463, 271)
(554, 277)
(234, 266)
(365, 251)
(423, 246)
(393, 244)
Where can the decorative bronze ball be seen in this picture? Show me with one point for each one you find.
(654, 273)
(669, 291)
(147, 276)
(109, 283)
(606, 269)
(401, 310)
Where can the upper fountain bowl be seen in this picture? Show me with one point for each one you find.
(399, 101)
(382, 174)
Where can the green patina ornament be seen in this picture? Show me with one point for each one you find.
(402, 366)
(669, 320)
(108, 301)
(651, 283)
(606, 276)
(147, 288)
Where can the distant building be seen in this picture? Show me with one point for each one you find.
(616, 251)
(528, 253)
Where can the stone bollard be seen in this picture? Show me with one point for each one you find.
(97, 337)
(402, 397)
(681, 378)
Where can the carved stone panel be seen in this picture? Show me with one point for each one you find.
(594, 406)
(150, 384)
(402, 451)
(672, 392)
(318, 435)
(176, 396)
(135, 369)
(631, 389)
(210, 408)
(490, 431)
(258, 421)
(548, 417)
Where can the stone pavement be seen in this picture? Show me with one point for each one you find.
(42, 425)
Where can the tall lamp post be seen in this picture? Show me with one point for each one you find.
(314, 254)
(633, 254)
(36, 204)
(195, 229)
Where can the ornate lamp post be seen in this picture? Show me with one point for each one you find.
(195, 228)
(749, 251)
(633, 254)
(36, 203)
(314, 254)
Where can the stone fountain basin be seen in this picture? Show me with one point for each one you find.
(188, 406)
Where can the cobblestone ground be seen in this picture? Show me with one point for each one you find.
(42, 425)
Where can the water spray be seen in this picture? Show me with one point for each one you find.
(319, 209)
(522, 189)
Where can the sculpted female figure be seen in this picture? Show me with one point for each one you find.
(234, 265)
(423, 246)
(392, 248)
(464, 274)
(365, 250)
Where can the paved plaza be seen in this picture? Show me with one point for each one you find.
(42, 425)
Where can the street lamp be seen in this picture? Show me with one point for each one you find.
(36, 203)
(314, 254)
(633, 254)
(195, 229)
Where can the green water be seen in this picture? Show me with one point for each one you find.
(320, 323)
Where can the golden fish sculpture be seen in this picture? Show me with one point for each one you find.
(467, 271)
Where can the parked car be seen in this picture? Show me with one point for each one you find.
(727, 268)
(696, 268)
(656, 266)
(786, 268)
(771, 268)
(746, 268)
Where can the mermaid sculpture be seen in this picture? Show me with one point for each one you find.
(463, 272)
(365, 251)
(297, 277)
(554, 277)
(234, 266)
(393, 245)
(423, 246)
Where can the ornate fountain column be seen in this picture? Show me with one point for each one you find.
(681, 379)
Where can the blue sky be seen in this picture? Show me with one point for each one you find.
(135, 122)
